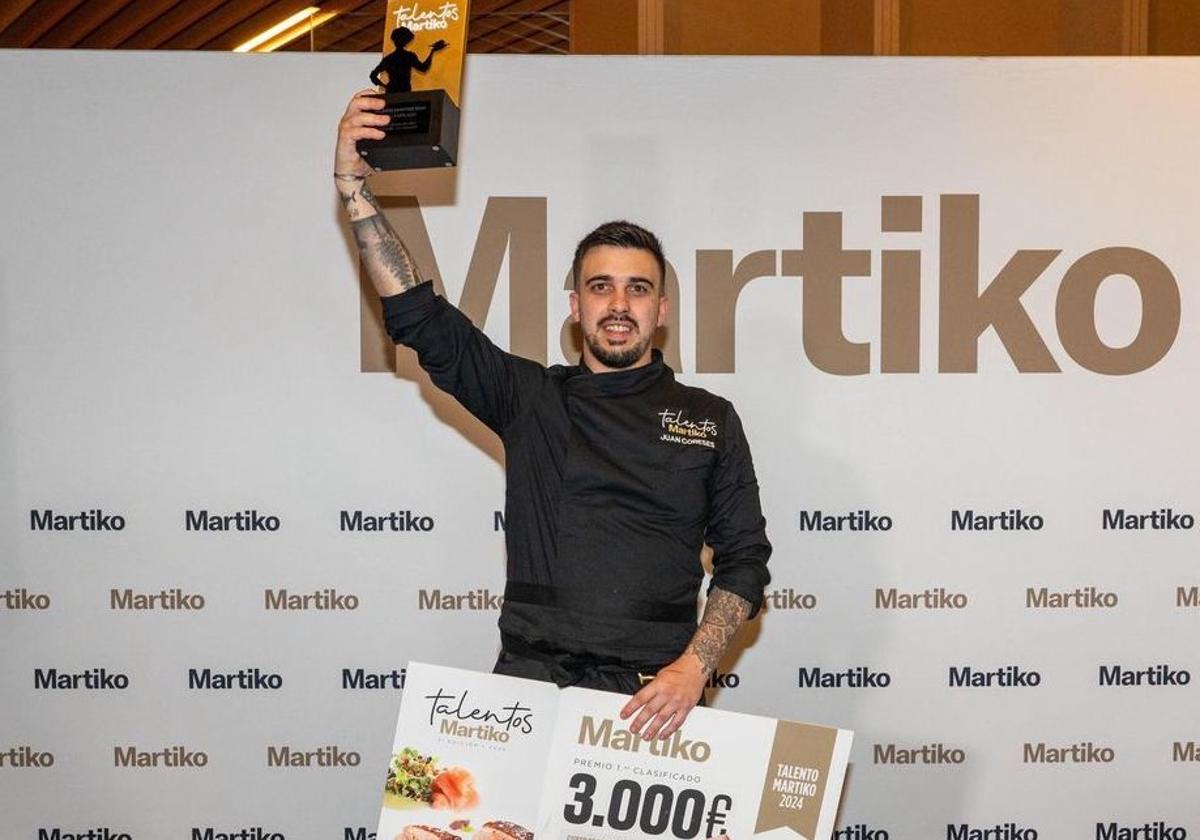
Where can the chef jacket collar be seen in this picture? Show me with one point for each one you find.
(620, 382)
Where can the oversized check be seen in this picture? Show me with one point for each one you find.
(487, 757)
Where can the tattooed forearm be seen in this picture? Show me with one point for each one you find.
(388, 263)
(723, 617)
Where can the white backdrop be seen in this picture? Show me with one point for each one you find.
(181, 332)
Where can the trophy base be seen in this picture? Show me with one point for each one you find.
(423, 132)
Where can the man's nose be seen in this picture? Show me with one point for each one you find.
(618, 302)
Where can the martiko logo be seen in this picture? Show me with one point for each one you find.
(1163, 519)
(243, 520)
(1084, 752)
(1154, 675)
(98, 833)
(1009, 520)
(322, 599)
(1083, 598)
(94, 679)
(932, 754)
(937, 598)
(858, 677)
(247, 679)
(789, 599)
(359, 833)
(395, 520)
(967, 309)
(860, 831)
(1000, 831)
(473, 601)
(21, 758)
(458, 715)
(166, 599)
(1146, 831)
(252, 833)
(1006, 676)
(418, 19)
(331, 756)
(856, 520)
(88, 520)
(23, 599)
(678, 428)
(359, 679)
(176, 757)
(1187, 596)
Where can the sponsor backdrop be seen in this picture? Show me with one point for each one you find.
(953, 301)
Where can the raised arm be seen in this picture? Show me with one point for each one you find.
(389, 264)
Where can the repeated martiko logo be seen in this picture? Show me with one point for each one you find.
(1163, 519)
(164, 599)
(25, 758)
(1006, 676)
(1013, 519)
(473, 600)
(678, 428)
(330, 756)
(856, 520)
(860, 831)
(320, 599)
(177, 757)
(360, 679)
(23, 599)
(1157, 830)
(242, 520)
(999, 831)
(1080, 598)
(935, 598)
(934, 754)
(244, 679)
(1082, 752)
(392, 521)
(95, 519)
(1158, 676)
(855, 677)
(788, 599)
(93, 679)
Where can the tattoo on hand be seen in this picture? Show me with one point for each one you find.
(723, 617)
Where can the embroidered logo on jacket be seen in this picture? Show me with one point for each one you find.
(677, 428)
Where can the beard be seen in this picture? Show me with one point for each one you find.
(616, 357)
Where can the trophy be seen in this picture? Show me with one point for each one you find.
(421, 72)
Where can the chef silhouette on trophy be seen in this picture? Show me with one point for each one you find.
(399, 63)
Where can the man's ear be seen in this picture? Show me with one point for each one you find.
(664, 307)
(575, 307)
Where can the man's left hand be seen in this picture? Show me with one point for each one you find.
(667, 699)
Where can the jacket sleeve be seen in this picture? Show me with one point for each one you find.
(459, 358)
(736, 528)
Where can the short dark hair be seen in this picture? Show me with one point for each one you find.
(621, 234)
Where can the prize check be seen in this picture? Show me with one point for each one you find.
(487, 757)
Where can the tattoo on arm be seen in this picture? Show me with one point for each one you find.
(723, 617)
(389, 264)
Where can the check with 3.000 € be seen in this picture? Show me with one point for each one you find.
(487, 757)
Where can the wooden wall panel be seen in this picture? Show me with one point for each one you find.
(719, 27)
(847, 27)
(1011, 27)
(604, 27)
(1174, 27)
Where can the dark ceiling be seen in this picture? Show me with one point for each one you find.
(496, 26)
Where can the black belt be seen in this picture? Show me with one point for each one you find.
(598, 602)
(570, 668)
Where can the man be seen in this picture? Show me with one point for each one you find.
(616, 473)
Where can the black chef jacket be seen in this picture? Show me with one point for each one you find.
(614, 482)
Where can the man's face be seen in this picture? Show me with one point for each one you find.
(618, 305)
